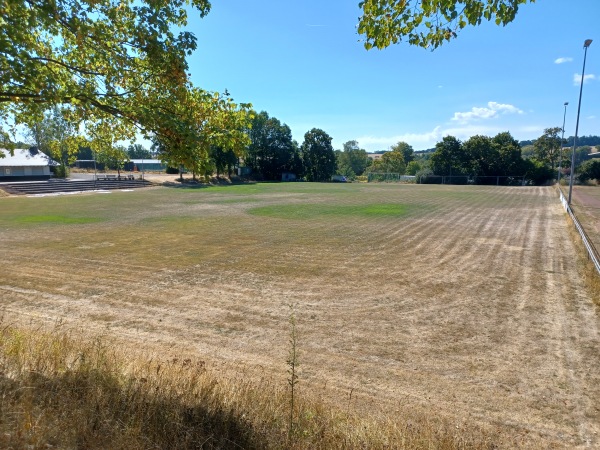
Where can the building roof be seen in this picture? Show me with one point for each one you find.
(25, 158)
(146, 161)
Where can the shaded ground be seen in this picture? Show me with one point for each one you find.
(466, 302)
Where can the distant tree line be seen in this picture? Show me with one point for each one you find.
(480, 156)
(265, 145)
(273, 152)
(501, 156)
(591, 141)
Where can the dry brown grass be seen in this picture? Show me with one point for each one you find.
(465, 312)
(584, 264)
(61, 391)
(586, 206)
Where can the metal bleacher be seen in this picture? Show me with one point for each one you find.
(59, 185)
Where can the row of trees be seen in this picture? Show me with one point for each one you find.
(479, 156)
(263, 143)
(502, 155)
(272, 151)
(585, 141)
(267, 147)
(353, 161)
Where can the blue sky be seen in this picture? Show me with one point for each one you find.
(302, 62)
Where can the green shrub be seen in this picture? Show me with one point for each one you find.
(589, 170)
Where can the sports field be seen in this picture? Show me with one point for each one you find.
(463, 302)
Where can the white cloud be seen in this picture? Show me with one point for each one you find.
(417, 140)
(562, 60)
(462, 126)
(421, 141)
(586, 78)
(493, 110)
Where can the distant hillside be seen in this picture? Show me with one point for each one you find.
(581, 140)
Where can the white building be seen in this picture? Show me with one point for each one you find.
(24, 164)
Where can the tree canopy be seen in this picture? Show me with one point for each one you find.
(138, 151)
(204, 119)
(406, 150)
(271, 150)
(590, 170)
(448, 157)
(480, 156)
(56, 136)
(353, 161)
(547, 146)
(115, 68)
(318, 156)
(428, 23)
(99, 57)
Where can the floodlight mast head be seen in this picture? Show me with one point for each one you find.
(566, 103)
(587, 43)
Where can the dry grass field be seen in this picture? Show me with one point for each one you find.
(460, 302)
(586, 205)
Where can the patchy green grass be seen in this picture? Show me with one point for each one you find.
(54, 219)
(312, 210)
(269, 188)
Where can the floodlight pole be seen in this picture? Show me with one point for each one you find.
(95, 169)
(562, 143)
(586, 44)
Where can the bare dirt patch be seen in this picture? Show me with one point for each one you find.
(470, 308)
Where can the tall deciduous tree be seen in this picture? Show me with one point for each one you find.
(102, 58)
(406, 150)
(272, 151)
(114, 157)
(413, 167)
(138, 151)
(353, 160)
(428, 23)
(509, 151)
(393, 162)
(104, 144)
(479, 155)
(449, 157)
(318, 156)
(482, 157)
(57, 136)
(204, 119)
(223, 159)
(547, 146)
